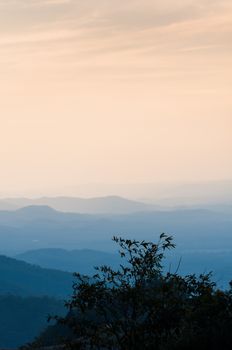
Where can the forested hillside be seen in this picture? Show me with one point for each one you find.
(22, 319)
(23, 279)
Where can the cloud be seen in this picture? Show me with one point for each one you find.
(111, 32)
(120, 15)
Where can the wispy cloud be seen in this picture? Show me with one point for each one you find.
(106, 29)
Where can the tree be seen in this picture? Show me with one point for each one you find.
(139, 306)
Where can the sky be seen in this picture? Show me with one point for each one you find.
(114, 92)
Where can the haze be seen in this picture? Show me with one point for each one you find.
(134, 91)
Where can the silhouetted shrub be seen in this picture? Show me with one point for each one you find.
(139, 306)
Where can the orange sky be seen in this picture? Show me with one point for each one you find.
(114, 92)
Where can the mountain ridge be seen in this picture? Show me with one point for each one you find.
(77, 260)
(96, 205)
(23, 279)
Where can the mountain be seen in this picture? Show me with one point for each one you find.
(99, 205)
(24, 318)
(189, 194)
(150, 196)
(27, 291)
(27, 214)
(22, 279)
(36, 228)
(82, 261)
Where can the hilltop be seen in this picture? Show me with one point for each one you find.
(98, 205)
(22, 279)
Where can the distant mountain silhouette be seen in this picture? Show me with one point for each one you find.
(100, 205)
(82, 261)
(36, 228)
(34, 210)
(22, 279)
(158, 195)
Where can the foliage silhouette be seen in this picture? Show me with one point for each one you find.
(139, 306)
